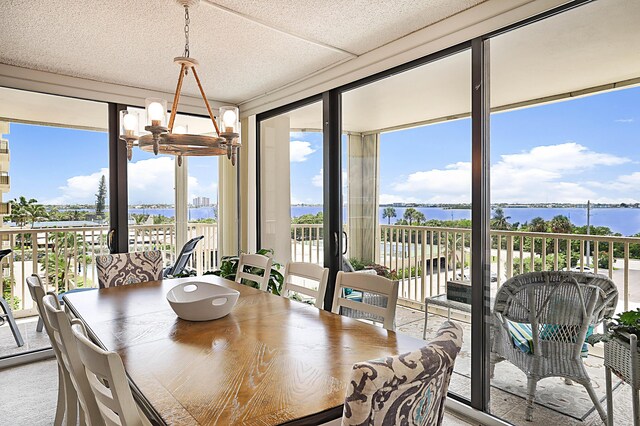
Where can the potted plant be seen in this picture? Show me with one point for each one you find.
(620, 339)
(229, 268)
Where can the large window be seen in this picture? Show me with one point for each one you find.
(54, 201)
(407, 189)
(564, 157)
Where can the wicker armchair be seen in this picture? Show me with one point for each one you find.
(559, 309)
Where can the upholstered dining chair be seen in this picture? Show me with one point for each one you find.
(541, 320)
(254, 261)
(306, 271)
(128, 268)
(108, 382)
(61, 329)
(67, 400)
(380, 302)
(407, 389)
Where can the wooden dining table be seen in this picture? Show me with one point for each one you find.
(270, 361)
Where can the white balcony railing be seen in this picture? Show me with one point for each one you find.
(65, 257)
(424, 258)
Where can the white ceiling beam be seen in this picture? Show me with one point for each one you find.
(481, 19)
(280, 30)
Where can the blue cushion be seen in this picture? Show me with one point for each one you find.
(75, 290)
(523, 338)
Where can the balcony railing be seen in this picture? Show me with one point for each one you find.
(65, 257)
(424, 258)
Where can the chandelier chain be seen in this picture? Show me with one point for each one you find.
(187, 21)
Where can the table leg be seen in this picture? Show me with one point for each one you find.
(448, 314)
(607, 378)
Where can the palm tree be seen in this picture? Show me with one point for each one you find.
(35, 212)
(560, 224)
(388, 213)
(412, 214)
(500, 221)
(538, 224)
(19, 213)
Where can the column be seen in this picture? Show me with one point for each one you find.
(275, 195)
(363, 196)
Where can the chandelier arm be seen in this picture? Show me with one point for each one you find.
(176, 98)
(206, 102)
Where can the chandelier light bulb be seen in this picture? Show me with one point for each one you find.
(156, 113)
(130, 123)
(229, 120)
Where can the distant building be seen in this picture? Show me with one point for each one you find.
(5, 207)
(201, 202)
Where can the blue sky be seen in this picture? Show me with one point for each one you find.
(62, 166)
(570, 151)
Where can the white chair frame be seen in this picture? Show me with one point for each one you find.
(308, 271)
(61, 328)
(379, 286)
(67, 401)
(254, 261)
(115, 402)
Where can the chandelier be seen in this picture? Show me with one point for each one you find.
(162, 137)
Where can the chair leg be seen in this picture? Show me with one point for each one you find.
(61, 399)
(531, 395)
(594, 399)
(40, 325)
(71, 402)
(12, 322)
(607, 377)
(426, 316)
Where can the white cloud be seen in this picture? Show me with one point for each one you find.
(543, 174)
(299, 151)
(625, 120)
(150, 182)
(393, 198)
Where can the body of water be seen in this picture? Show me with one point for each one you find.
(195, 213)
(623, 220)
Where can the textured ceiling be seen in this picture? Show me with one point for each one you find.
(356, 26)
(133, 42)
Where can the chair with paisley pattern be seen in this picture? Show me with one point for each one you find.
(407, 389)
(129, 268)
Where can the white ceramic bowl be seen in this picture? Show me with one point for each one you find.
(199, 301)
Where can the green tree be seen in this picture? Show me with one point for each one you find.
(412, 215)
(538, 224)
(101, 197)
(500, 221)
(19, 213)
(35, 212)
(388, 213)
(139, 218)
(61, 263)
(560, 224)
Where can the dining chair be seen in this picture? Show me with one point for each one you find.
(541, 321)
(407, 389)
(108, 382)
(306, 271)
(67, 400)
(61, 328)
(128, 268)
(254, 261)
(380, 303)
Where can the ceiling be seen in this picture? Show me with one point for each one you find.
(246, 48)
(556, 58)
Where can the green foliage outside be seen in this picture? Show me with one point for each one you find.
(25, 211)
(229, 268)
(62, 263)
(12, 301)
(101, 198)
